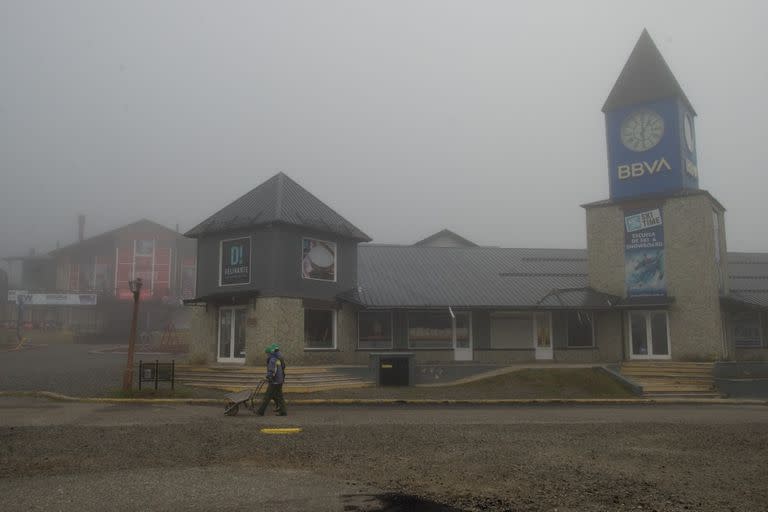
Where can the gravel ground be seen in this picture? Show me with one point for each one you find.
(571, 464)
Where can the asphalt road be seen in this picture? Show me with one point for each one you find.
(74, 456)
(69, 369)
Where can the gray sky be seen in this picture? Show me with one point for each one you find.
(404, 116)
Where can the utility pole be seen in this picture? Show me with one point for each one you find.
(128, 372)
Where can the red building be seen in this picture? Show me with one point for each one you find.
(99, 269)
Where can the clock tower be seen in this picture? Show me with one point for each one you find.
(658, 241)
(649, 128)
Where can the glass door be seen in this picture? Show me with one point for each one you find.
(231, 335)
(648, 335)
(542, 335)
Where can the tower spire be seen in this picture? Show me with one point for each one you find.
(645, 77)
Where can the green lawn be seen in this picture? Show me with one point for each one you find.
(529, 383)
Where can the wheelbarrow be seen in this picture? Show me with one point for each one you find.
(247, 397)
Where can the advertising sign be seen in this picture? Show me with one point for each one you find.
(235, 261)
(318, 259)
(644, 253)
(52, 299)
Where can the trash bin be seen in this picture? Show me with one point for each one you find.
(393, 368)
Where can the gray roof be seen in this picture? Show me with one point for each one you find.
(417, 276)
(279, 200)
(645, 77)
(396, 276)
(748, 277)
(446, 233)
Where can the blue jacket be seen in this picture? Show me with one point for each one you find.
(276, 368)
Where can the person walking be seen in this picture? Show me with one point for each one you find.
(275, 379)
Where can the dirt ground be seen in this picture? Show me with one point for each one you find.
(489, 459)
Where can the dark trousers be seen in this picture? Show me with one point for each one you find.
(274, 392)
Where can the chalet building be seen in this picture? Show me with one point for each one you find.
(655, 282)
(84, 286)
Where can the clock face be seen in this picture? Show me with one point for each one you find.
(642, 130)
(688, 132)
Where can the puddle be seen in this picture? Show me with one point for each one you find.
(395, 502)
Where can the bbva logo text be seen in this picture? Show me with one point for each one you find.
(638, 169)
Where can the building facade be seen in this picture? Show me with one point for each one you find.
(84, 286)
(655, 282)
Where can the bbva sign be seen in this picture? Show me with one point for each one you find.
(637, 169)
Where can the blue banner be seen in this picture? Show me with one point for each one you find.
(644, 253)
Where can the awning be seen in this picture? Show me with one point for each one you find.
(661, 302)
(737, 302)
(225, 298)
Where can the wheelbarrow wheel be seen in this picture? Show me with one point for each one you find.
(232, 410)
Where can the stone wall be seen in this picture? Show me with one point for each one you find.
(202, 334)
(695, 320)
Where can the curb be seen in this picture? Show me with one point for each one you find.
(397, 401)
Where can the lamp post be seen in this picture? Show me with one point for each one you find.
(128, 373)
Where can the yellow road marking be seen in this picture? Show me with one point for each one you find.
(291, 430)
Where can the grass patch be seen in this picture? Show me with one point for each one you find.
(528, 383)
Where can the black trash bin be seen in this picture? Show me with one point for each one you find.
(393, 369)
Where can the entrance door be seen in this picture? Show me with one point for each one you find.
(231, 335)
(542, 335)
(462, 337)
(648, 335)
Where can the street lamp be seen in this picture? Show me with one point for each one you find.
(135, 287)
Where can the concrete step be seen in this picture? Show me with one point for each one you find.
(676, 389)
(683, 395)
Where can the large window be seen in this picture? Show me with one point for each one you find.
(746, 329)
(433, 329)
(581, 331)
(319, 329)
(374, 330)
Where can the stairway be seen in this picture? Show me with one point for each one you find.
(672, 379)
(299, 379)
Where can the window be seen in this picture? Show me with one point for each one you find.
(746, 329)
(374, 330)
(432, 329)
(319, 329)
(580, 329)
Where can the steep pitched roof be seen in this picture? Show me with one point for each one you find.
(645, 77)
(457, 240)
(139, 224)
(279, 200)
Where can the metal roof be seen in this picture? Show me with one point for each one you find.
(446, 233)
(279, 200)
(417, 276)
(748, 277)
(396, 276)
(645, 77)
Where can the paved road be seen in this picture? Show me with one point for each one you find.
(19, 412)
(70, 369)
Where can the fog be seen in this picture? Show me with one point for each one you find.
(405, 117)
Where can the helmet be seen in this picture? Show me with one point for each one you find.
(272, 348)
